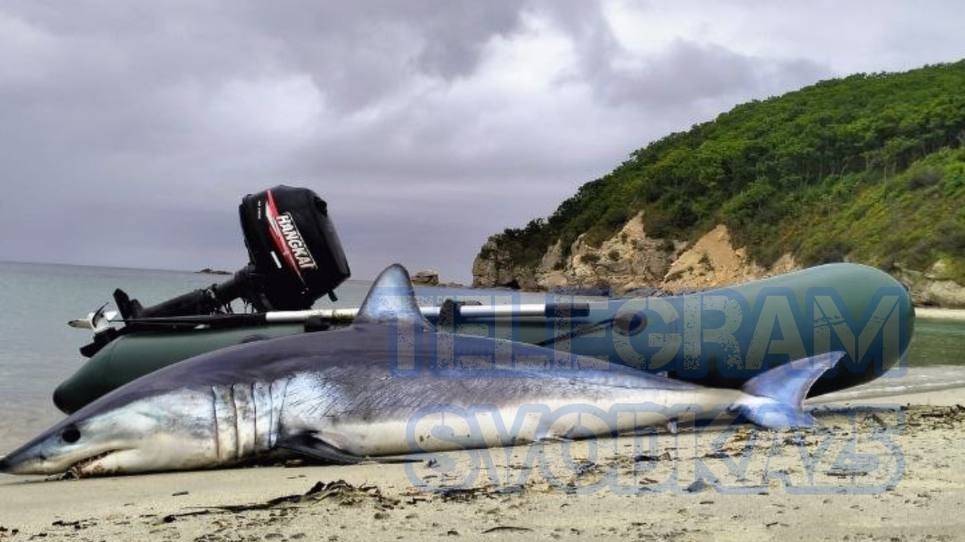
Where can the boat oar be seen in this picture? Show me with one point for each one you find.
(463, 312)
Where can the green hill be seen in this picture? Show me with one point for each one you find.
(869, 168)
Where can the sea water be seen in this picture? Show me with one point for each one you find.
(38, 350)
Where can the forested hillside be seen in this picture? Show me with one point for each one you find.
(869, 168)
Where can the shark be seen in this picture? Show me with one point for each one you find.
(385, 388)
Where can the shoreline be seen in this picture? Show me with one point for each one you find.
(939, 313)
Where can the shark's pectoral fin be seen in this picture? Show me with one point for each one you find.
(307, 445)
(311, 447)
(775, 399)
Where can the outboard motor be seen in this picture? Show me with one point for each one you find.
(295, 258)
(293, 246)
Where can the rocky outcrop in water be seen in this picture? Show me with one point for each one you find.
(932, 287)
(426, 277)
(494, 267)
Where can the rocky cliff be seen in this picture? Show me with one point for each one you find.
(631, 261)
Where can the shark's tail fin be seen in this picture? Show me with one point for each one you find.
(774, 399)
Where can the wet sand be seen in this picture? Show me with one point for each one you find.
(937, 313)
(878, 468)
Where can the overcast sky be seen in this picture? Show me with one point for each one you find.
(129, 131)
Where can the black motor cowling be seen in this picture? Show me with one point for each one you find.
(292, 243)
(295, 258)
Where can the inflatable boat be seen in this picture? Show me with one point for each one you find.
(718, 337)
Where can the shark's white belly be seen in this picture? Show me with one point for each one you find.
(249, 419)
(452, 428)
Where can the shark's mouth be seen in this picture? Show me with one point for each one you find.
(82, 468)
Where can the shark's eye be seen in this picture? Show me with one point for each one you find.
(70, 434)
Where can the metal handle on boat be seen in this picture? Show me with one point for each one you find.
(528, 310)
(467, 312)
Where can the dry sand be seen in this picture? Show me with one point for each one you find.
(876, 469)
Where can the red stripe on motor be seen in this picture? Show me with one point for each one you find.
(271, 211)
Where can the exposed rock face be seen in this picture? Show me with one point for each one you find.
(630, 260)
(933, 287)
(713, 261)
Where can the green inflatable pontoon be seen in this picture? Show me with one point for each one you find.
(719, 337)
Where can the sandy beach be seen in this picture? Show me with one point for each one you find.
(878, 468)
(936, 313)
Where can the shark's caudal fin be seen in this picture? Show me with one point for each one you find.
(774, 399)
(391, 300)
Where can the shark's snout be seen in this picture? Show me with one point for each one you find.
(20, 462)
(11, 464)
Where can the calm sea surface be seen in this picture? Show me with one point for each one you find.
(38, 350)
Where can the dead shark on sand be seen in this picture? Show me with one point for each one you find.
(382, 387)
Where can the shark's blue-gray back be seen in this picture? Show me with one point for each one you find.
(373, 354)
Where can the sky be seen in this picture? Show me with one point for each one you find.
(129, 131)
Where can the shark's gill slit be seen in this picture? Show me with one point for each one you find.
(214, 414)
(254, 416)
(234, 407)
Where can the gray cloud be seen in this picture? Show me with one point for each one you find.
(688, 72)
(131, 131)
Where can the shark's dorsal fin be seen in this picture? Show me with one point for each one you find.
(391, 300)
